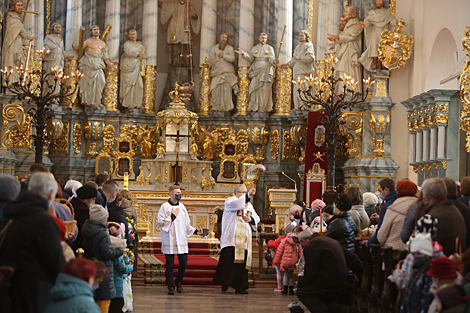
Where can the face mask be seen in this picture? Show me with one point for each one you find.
(178, 197)
(110, 200)
(91, 203)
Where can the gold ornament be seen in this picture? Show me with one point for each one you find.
(150, 82)
(394, 48)
(77, 137)
(110, 96)
(274, 143)
(243, 89)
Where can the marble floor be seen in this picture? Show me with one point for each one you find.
(209, 299)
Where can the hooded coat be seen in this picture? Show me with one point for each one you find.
(71, 295)
(97, 244)
(288, 253)
(32, 246)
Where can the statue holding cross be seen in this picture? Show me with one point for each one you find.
(13, 56)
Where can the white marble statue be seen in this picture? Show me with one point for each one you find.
(221, 59)
(262, 58)
(179, 13)
(131, 86)
(15, 33)
(55, 54)
(375, 23)
(302, 64)
(349, 48)
(92, 66)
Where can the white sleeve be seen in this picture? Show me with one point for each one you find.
(234, 204)
(164, 217)
(189, 229)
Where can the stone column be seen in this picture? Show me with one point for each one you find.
(39, 25)
(245, 41)
(412, 147)
(208, 39)
(329, 12)
(283, 97)
(149, 39)
(441, 141)
(433, 140)
(113, 15)
(74, 22)
(425, 145)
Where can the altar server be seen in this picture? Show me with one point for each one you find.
(238, 221)
(175, 226)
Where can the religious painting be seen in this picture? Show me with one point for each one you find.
(229, 170)
(124, 147)
(123, 166)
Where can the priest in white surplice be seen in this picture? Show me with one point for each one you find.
(223, 76)
(349, 48)
(375, 23)
(261, 58)
(132, 87)
(15, 33)
(175, 227)
(55, 54)
(238, 221)
(301, 64)
(181, 16)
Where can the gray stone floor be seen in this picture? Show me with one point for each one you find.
(209, 299)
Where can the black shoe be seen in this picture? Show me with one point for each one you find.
(291, 290)
(224, 288)
(179, 288)
(241, 291)
(171, 290)
(285, 291)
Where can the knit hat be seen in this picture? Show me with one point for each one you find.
(317, 204)
(427, 225)
(422, 243)
(9, 187)
(343, 203)
(442, 267)
(86, 192)
(369, 199)
(406, 188)
(98, 213)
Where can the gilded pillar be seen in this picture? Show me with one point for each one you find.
(205, 83)
(283, 97)
(243, 90)
(149, 39)
(110, 94)
(69, 68)
(150, 82)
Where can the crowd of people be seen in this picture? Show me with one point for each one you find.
(431, 223)
(64, 246)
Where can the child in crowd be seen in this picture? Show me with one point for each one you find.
(288, 254)
(275, 244)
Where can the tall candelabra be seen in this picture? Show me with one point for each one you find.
(42, 88)
(331, 95)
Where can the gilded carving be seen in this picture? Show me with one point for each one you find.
(283, 91)
(421, 167)
(193, 175)
(110, 96)
(465, 90)
(108, 137)
(379, 128)
(140, 178)
(147, 178)
(158, 176)
(16, 128)
(60, 142)
(201, 221)
(394, 48)
(274, 143)
(255, 135)
(443, 107)
(204, 183)
(444, 164)
(415, 169)
(205, 79)
(429, 167)
(69, 83)
(185, 173)
(210, 178)
(166, 173)
(77, 137)
(289, 148)
(436, 165)
(352, 129)
(442, 119)
(381, 89)
(48, 17)
(150, 81)
(96, 130)
(243, 90)
(243, 136)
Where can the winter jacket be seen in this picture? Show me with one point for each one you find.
(116, 214)
(101, 198)
(389, 199)
(32, 245)
(343, 229)
(71, 295)
(288, 253)
(418, 296)
(359, 216)
(409, 223)
(97, 244)
(82, 213)
(450, 226)
(275, 244)
(390, 231)
(465, 211)
(121, 269)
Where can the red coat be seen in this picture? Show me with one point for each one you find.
(288, 253)
(275, 244)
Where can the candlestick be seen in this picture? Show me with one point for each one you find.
(126, 181)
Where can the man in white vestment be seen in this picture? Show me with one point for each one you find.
(261, 58)
(55, 54)
(238, 221)
(15, 33)
(179, 13)
(175, 226)
(221, 59)
(302, 64)
(349, 47)
(375, 23)
(92, 66)
(132, 86)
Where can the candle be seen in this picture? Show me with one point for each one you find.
(126, 181)
(321, 221)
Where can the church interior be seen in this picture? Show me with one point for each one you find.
(299, 99)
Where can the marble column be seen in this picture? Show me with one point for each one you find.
(74, 22)
(433, 141)
(208, 39)
(113, 15)
(149, 39)
(245, 42)
(419, 146)
(329, 12)
(441, 141)
(40, 33)
(425, 145)
(412, 147)
(283, 98)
